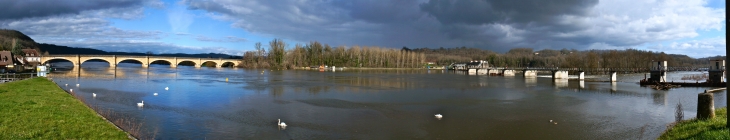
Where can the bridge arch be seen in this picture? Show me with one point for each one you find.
(60, 58)
(114, 60)
(208, 63)
(158, 61)
(144, 62)
(110, 63)
(186, 62)
(227, 64)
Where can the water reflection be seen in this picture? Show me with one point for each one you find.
(582, 84)
(530, 81)
(560, 83)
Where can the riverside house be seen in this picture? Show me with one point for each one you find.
(32, 58)
(6, 59)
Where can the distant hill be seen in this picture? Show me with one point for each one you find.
(7, 36)
(57, 49)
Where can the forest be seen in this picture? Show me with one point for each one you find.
(281, 55)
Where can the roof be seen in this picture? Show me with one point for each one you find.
(5, 58)
(31, 51)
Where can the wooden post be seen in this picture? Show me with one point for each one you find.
(705, 106)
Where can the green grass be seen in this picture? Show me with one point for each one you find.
(37, 109)
(712, 129)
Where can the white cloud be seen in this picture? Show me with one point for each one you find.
(695, 48)
(179, 18)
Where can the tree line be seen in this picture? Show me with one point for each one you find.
(315, 54)
(565, 58)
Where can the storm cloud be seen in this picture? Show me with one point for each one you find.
(488, 24)
(19, 9)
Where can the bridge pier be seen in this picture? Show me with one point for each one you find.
(560, 74)
(493, 71)
(508, 72)
(529, 73)
(112, 65)
(613, 76)
(658, 72)
(581, 75)
(716, 71)
(482, 71)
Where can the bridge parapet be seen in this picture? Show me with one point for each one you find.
(96, 55)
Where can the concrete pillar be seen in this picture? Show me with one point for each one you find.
(560, 74)
(705, 106)
(174, 63)
(581, 75)
(199, 63)
(508, 72)
(482, 71)
(146, 63)
(78, 61)
(494, 72)
(529, 73)
(613, 76)
(113, 63)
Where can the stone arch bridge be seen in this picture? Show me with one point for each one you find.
(145, 60)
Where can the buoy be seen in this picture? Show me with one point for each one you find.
(226, 79)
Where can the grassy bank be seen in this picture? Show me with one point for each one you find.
(37, 109)
(712, 129)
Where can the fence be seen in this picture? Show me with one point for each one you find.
(9, 77)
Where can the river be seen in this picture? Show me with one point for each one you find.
(231, 103)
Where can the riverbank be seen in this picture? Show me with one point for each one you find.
(700, 129)
(37, 109)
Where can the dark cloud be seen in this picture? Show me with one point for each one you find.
(19, 9)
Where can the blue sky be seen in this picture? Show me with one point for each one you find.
(693, 27)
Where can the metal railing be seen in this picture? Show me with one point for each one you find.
(9, 77)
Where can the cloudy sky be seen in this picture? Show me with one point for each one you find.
(693, 27)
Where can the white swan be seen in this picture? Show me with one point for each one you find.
(438, 116)
(140, 104)
(77, 85)
(166, 88)
(155, 94)
(72, 90)
(66, 84)
(93, 94)
(281, 124)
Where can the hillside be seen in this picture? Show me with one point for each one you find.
(7, 36)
